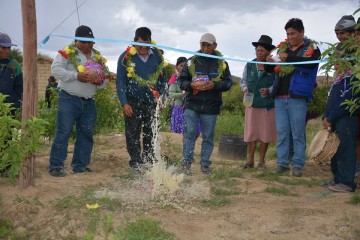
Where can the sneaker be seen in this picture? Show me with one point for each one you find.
(82, 171)
(57, 172)
(206, 169)
(186, 168)
(328, 182)
(340, 187)
(297, 172)
(280, 169)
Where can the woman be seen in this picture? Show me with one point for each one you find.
(260, 116)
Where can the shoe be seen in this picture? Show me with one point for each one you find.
(57, 172)
(186, 168)
(82, 171)
(261, 166)
(248, 165)
(206, 169)
(297, 172)
(328, 182)
(340, 187)
(280, 169)
(135, 167)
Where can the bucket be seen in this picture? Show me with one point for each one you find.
(232, 147)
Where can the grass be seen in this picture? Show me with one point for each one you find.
(143, 229)
(279, 191)
(217, 201)
(272, 177)
(355, 199)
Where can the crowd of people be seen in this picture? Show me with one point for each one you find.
(281, 94)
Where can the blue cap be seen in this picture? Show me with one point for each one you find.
(5, 40)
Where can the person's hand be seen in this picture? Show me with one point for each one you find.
(269, 58)
(264, 92)
(127, 110)
(207, 86)
(326, 124)
(246, 91)
(83, 77)
(283, 56)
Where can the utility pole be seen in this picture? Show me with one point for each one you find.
(30, 96)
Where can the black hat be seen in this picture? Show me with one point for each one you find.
(346, 23)
(84, 31)
(144, 33)
(264, 41)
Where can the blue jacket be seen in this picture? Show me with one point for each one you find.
(339, 92)
(11, 81)
(129, 90)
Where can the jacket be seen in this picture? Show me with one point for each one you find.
(11, 81)
(205, 102)
(254, 82)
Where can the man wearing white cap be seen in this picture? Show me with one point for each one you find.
(204, 79)
(11, 78)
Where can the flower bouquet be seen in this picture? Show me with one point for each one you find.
(95, 71)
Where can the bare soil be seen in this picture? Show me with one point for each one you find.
(308, 212)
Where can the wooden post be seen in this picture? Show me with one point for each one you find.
(30, 96)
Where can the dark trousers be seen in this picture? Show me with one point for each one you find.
(343, 164)
(140, 121)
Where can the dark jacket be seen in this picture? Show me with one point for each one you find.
(205, 102)
(11, 81)
(339, 92)
(254, 82)
(129, 90)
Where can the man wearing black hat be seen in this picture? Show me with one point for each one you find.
(76, 103)
(140, 79)
(11, 78)
(260, 117)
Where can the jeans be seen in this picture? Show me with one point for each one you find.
(207, 123)
(141, 119)
(82, 112)
(290, 118)
(343, 164)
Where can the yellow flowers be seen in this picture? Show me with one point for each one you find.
(153, 42)
(81, 68)
(132, 50)
(165, 64)
(69, 50)
(224, 65)
(92, 206)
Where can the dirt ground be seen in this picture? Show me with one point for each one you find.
(308, 212)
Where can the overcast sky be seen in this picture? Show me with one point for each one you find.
(179, 24)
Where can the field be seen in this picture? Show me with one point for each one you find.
(232, 203)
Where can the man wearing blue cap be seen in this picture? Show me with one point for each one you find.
(11, 78)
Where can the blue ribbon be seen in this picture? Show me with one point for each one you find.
(42, 44)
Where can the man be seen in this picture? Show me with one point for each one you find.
(50, 88)
(11, 78)
(140, 78)
(292, 90)
(345, 28)
(204, 79)
(76, 103)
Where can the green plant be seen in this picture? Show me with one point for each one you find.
(217, 201)
(17, 140)
(355, 199)
(279, 191)
(143, 229)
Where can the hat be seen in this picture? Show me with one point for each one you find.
(208, 38)
(264, 41)
(5, 40)
(346, 23)
(52, 79)
(84, 31)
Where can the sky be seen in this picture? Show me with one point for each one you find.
(178, 24)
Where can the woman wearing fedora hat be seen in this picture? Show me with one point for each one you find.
(260, 116)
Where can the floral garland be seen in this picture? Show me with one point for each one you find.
(220, 70)
(70, 53)
(131, 70)
(284, 70)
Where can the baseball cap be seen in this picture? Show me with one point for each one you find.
(5, 40)
(84, 31)
(208, 38)
(346, 23)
